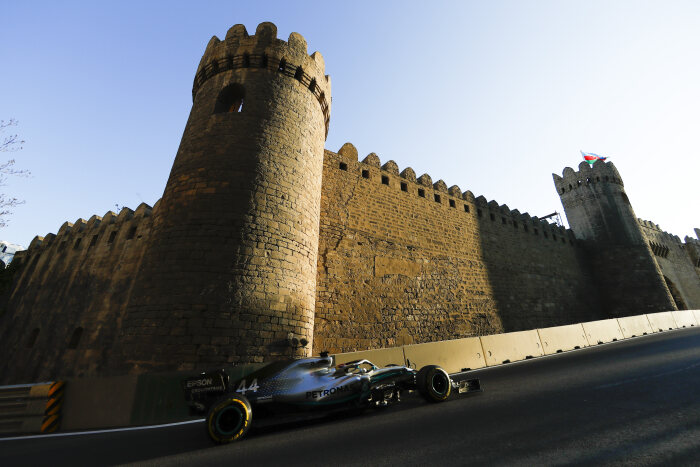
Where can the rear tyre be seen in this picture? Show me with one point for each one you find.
(229, 419)
(434, 383)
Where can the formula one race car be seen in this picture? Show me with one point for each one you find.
(230, 396)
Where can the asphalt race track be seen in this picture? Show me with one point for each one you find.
(635, 402)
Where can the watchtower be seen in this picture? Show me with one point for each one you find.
(229, 274)
(601, 216)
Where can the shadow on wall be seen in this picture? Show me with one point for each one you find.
(538, 273)
(680, 304)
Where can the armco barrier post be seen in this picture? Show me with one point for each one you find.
(54, 404)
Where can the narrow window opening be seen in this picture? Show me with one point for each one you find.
(246, 60)
(229, 61)
(525, 227)
(437, 198)
(479, 213)
(545, 234)
(93, 242)
(385, 180)
(554, 237)
(132, 232)
(404, 187)
(515, 225)
(263, 61)
(76, 245)
(597, 179)
(503, 220)
(570, 187)
(365, 174)
(230, 99)
(32, 338)
(421, 192)
(453, 204)
(62, 246)
(75, 338)
(493, 216)
(537, 232)
(282, 66)
(466, 208)
(112, 236)
(343, 166)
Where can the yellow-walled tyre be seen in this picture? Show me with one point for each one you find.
(434, 383)
(229, 419)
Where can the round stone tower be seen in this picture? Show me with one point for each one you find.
(601, 216)
(229, 274)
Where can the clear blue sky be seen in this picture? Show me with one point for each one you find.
(493, 96)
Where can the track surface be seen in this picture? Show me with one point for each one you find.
(635, 402)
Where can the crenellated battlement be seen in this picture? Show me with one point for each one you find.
(349, 155)
(93, 227)
(600, 172)
(655, 227)
(264, 51)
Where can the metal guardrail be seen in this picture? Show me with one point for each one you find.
(31, 408)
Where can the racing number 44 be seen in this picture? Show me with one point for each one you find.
(253, 387)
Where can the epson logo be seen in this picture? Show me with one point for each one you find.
(200, 382)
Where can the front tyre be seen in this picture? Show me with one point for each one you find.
(434, 383)
(229, 419)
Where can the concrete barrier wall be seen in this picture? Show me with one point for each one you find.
(562, 338)
(602, 331)
(99, 402)
(157, 398)
(380, 357)
(635, 326)
(684, 318)
(453, 355)
(662, 321)
(511, 347)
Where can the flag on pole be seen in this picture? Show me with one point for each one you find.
(591, 158)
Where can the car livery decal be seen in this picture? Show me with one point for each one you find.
(326, 392)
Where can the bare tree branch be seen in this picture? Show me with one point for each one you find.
(10, 143)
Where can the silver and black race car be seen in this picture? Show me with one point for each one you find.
(231, 396)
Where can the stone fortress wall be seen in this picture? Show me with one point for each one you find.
(405, 260)
(265, 245)
(64, 312)
(679, 262)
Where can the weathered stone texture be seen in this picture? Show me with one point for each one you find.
(262, 239)
(398, 265)
(80, 278)
(599, 211)
(234, 247)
